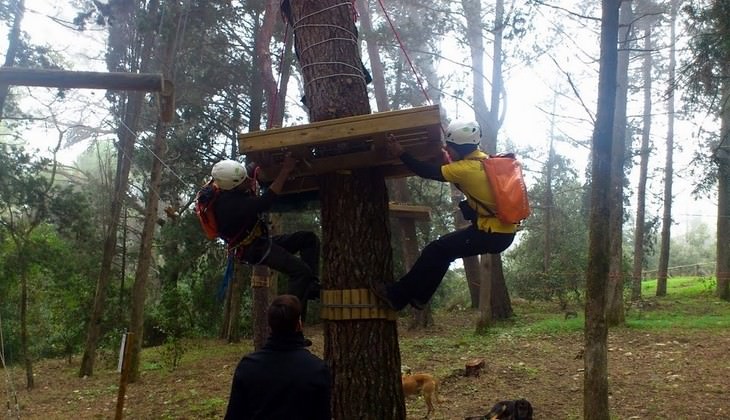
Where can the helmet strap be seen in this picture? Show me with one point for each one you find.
(463, 150)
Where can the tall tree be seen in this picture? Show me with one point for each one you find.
(16, 9)
(130, 106)
(405, 226)
(708, 75)
(476, 274)
(662, 269)
(499, 306)
(487, 116)
(595, 382)
(167, 47)
(722, 157)
(640, 224)
(26, 200)
(615, 297)
(353, 206)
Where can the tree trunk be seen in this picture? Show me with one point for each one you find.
(233, 331)
(260, 274)
(406, 228)
(661, 285)
(355, 228)
(376, 65)
(473, 13)
(14, 45)
(263, 54)
(488, 119)
(595, 382)
(615, 296)
(643, 167)
(226, 321)
(24, 337)
(485, 297)
(263, 82)
(144, 261)
(399, 186)
(548, 199)
(125, 152)
(501, 303)
(722, 271)
(127, 137)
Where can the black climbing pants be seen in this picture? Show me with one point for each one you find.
(278, 253)
(421, 282)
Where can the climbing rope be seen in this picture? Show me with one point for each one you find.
(275, 99)
(352, 38)
(403, 48)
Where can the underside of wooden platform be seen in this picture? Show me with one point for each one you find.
(344, 144)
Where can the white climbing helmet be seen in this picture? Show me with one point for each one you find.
(463, 132)
(228, 174)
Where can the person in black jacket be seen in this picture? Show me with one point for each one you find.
(283, 380)
(238, 213)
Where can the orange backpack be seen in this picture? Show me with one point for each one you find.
(205, 210)
(504, 174)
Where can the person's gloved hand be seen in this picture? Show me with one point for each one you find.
(394, 148)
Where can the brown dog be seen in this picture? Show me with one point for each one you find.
(421, 383)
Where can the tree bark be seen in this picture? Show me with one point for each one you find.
(399, 186)
(406, 228)
(355, 228)
(474, 36)
(639, 229)
(485, 297)
(144, 261)
(595, 381)
(260, 295)
(615, 296)
(376, 64)
(125, 152)
(722, 154)
(488, 119)
(264, 89)
(233, 331)
(661, 285)
(13, 47)
(24, 336)
(125, 149)
(548, 199)
(146, 82)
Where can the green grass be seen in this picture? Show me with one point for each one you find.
(681, 287)
(690, 303)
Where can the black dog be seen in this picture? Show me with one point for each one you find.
(508, 410)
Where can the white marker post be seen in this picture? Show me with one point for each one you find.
(125, 353)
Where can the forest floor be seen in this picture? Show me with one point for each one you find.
(672, 361)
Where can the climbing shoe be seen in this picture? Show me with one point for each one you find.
(380, 290)
(313, 291)
(416, 304)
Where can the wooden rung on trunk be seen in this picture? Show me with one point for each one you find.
(350, 304)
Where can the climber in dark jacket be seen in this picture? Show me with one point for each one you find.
(283, 380)
(238, 211)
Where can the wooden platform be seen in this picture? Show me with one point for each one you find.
(344, 144)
